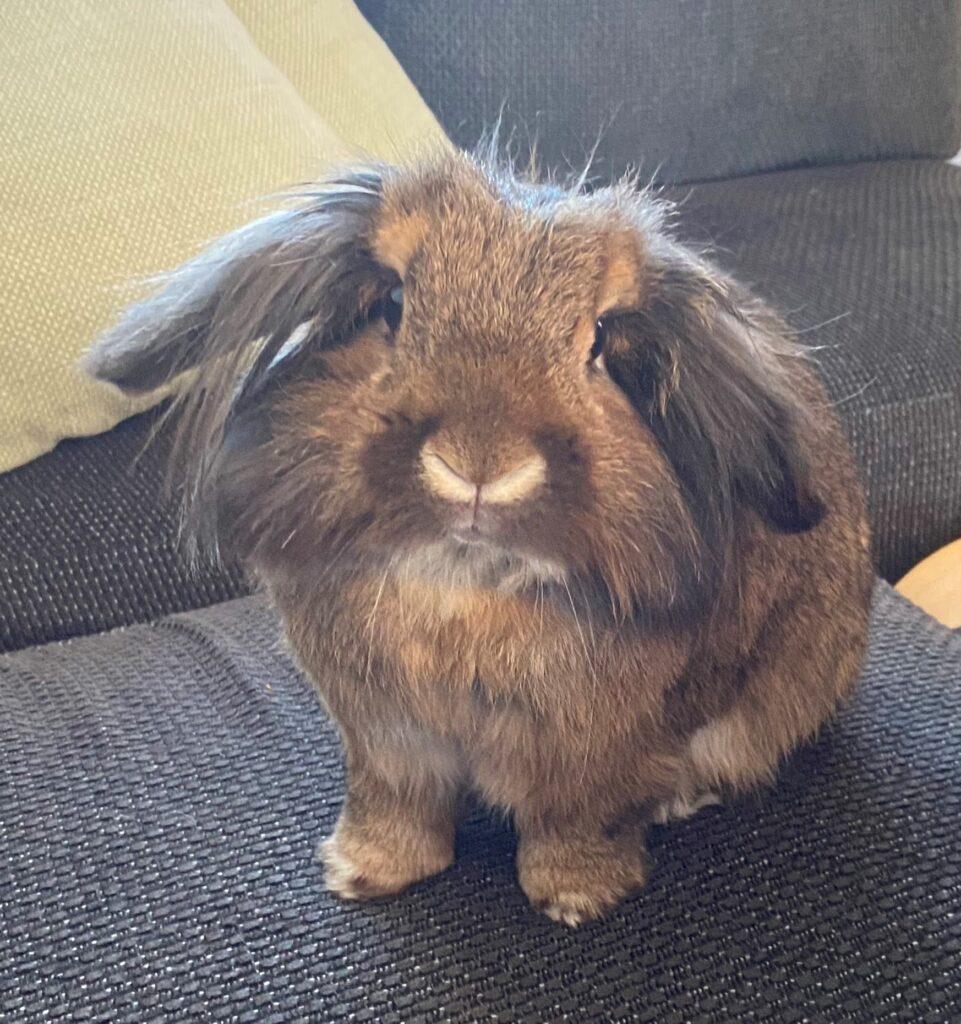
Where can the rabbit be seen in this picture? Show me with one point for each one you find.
(555, 513)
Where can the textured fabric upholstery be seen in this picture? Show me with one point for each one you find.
(694, 89)
(873, 253)
(132, 134)
(87, 542)
(163, 788)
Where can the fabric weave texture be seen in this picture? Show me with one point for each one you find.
(88, 540)
(163, 788)
(134, 133)
(689, 90)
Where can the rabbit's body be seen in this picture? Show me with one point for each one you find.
(560, 713)
(569, 525)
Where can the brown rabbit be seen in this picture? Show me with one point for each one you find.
(553, 510)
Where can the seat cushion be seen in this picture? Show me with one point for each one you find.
(163, 788)
(88, 540)
(865, 260)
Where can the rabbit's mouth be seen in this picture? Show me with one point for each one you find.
(478, 527)
(478, 563)
(471, 536)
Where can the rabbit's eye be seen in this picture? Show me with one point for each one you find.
(595, 357)
(393, 308)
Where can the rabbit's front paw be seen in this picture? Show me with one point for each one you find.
(360, 868)
(573, 881)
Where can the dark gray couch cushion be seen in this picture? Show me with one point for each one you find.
(872, 252)
(87, 541)
(162, 789)
(694, 89)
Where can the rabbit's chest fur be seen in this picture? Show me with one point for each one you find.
(520, 686)
(489, 649)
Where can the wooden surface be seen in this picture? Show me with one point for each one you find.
(935, 585)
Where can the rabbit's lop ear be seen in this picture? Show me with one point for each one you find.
(723, 389)
(258, 283)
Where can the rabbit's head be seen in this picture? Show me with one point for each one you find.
(453, 372)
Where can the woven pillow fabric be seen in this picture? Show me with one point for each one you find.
(131, 134)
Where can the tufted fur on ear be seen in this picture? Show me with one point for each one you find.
(712, 372)
(295, 279)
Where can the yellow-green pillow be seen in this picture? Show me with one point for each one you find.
(130, 134)
(344, 71)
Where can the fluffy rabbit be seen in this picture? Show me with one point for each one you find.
(553, 511)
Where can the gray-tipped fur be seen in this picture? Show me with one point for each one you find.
(258, 282)
(229, 311)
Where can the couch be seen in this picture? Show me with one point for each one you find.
(162, 785)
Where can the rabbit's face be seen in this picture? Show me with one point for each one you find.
(471, 429)
(477, 379)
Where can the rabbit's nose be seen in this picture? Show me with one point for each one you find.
(444, 475)
(517, 483)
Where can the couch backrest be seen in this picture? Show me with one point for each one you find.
(697, 88)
